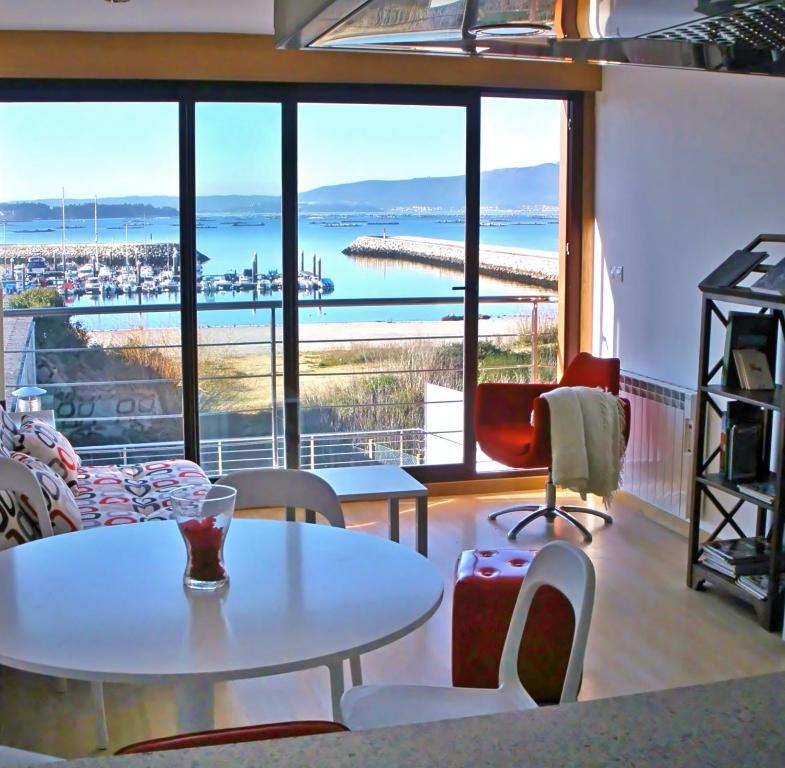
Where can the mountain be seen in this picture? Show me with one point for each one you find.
(519, 187)
(503, 188)
(514, 188)
(206, 203)
(40, 211)
(238, 204)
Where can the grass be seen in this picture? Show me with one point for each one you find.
(224, 383)
(365, 386)
(141, 349)
(397, 395)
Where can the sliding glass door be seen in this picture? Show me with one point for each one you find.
(146, 230)
(520, 220)
(382, 199)
(238, 278)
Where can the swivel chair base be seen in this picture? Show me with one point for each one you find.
(550, 511)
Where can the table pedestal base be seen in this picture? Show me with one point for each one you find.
(195, 706)
(336, 689)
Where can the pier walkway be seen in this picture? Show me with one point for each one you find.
(522, 265)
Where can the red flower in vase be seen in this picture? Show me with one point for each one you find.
(204, 539)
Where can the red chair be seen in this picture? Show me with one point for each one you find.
(512, 425)
(234, 736)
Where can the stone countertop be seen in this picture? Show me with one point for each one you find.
(734, 723)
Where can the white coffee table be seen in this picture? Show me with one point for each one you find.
(383, 481)
(108, 605)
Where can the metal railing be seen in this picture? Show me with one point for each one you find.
(91, 428)
(404, 447)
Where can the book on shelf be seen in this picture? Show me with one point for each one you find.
(773, 281)
(758, 584)
(734, 570)
(753, 369)
(721, 566)
(763, 490)
(740, 550)
(747, 330)
(742, 450)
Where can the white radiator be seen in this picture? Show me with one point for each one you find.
(658, 465)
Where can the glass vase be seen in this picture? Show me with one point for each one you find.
(203, 515)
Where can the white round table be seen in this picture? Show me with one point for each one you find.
(109, 605)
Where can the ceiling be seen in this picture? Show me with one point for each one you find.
(242, 16)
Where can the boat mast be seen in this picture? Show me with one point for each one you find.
(62, 190)
(95, 230)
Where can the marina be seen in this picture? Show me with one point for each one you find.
(227, 250)
(108, 270)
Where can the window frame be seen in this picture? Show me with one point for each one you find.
(289, 95)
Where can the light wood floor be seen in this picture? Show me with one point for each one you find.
(649, 632)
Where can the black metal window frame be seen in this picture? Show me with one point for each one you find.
(187, 94)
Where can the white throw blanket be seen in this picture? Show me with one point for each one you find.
(587, 440)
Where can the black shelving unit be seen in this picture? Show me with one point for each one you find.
(712, 398)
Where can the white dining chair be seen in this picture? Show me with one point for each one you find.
(19, 757)
(558, 564)
(292, 489)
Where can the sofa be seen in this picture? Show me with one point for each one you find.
(46, 490)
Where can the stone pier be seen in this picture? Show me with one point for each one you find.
(520, 265)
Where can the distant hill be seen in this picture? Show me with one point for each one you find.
(504, 188)
(206, 203)
(41, 211)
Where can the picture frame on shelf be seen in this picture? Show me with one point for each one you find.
(753, 369)
(748, 330)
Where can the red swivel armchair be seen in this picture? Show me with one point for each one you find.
(512, 424)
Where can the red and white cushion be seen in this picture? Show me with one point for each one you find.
(8, 432)
(133, 493)
(17, 526)
(43, 442)
(60, 502)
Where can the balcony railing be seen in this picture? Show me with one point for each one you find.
(123, 404)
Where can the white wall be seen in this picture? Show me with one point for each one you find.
(690, 167)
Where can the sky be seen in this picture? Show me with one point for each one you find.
(113, 150)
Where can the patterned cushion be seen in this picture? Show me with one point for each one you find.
(8, 431)
(16, 524)
(60, 502)
(42, 441)
(132, 493)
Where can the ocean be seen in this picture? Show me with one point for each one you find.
(229, 241)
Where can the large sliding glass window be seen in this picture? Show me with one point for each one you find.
(423, 242)
(238, 243)
(381, 241)
(89, 216)
(520, 219)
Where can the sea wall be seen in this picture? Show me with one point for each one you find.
(158, 255)
(520, 265)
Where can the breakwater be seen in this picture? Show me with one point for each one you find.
(520, 265)
(160, 255)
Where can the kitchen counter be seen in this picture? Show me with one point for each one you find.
(734, 723)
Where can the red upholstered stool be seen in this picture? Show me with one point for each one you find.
(487, 585)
